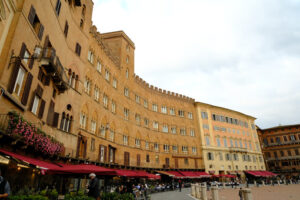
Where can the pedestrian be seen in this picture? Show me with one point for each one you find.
(179, 182)
(94, 187)
(4, 187)
(241, 194)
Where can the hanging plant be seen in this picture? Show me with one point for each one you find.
(32, 136)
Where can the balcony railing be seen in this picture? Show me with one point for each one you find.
(284, 158)
(51, 63)
(282, 143)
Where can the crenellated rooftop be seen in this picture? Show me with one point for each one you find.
(146, 85)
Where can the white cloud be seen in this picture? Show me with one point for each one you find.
(243, 55)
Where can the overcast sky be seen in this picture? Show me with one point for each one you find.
(240, 54)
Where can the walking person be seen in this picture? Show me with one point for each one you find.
(241, 194)
(94, 187)
(4, 188)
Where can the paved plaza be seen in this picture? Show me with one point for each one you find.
(282, 192)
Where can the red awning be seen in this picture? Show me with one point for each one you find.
(176, 174)
(153, 176)
(82, 169)
(261, 173)
(192, 174)
(38, 163)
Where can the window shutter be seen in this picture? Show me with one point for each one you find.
(138, 159)
(26, 89)
(85, 147)
(46, 80)
(50, 113)
(66, 29)
(31, 15)
(46, 42)
(55, 119)
(22, 51)
(31, 62)
(39, 91)
(105, 154)
(13, 76)
(78, 146)
(61, 121)
(41, 32)
(42, 108)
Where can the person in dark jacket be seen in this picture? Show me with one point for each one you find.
(93, 186)
(4, 188)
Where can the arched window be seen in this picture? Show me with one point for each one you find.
(65, 123)
(83, 10)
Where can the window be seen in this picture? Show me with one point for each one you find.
(137, 143)
(19, 81)
(166, 148)
(57, 7)
(146, 122)
(278, 140)
(218, 142)
(228, 156)
(138, 118)
(231, 142)
(105, 101)
(164, 109)
(281, 153)
(111, 135)
(126, 113)
(147, 145)
(99, 66)
(186, 161)
(66, 29)
(93, 126)
(236, 143)
(114, 83)
(172, 111)
(102, 131)
(65, 123)
(93, 144)
(289, 153)
(184, 149)
(246, 146)
(292, 137)
(156, 147)
(78, 49)
(145, 103)
(127, 73)
(107, 75)
(35, 105)
(190, 115)
(210, 156)
(125, 139)
(165, 128)
(207, 140)
(137, 99)
(205, 126)
(127, 60)
(90, 56)
(155, 125)
(157, 159)
(241, 144)
(175, 148)
(220, 155)
(147, 158)
(154, 107)
(225, 142)
(126, 92)
(192, 133)
(96, 93)
(254, 158)
(181, 113)
(194, 150)
(173, 130)
(182, 131)
(113, 106)
(35, 22)
(260, 159)
(296, 152)
(285, 138)
(87, 85)
(250, 145)
(204, 115)
(235, 157)
(82, 120)
(81, 23)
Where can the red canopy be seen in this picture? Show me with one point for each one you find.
(38, 163)
(202, 174)
(192, 174)
(261, 173)
(176, 174)
(82, 169)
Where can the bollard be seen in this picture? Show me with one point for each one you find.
(254, 183)
(247, 194)
(193, 191)
(215, 193)
(198, 191)
(203, 193)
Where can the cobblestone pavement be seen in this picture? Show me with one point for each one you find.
(281, 192)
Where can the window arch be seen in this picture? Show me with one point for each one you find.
(83, 11)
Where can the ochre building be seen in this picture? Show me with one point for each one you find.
(281, 146)
(79, 86)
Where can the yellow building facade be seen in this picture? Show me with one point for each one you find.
(79, 86)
